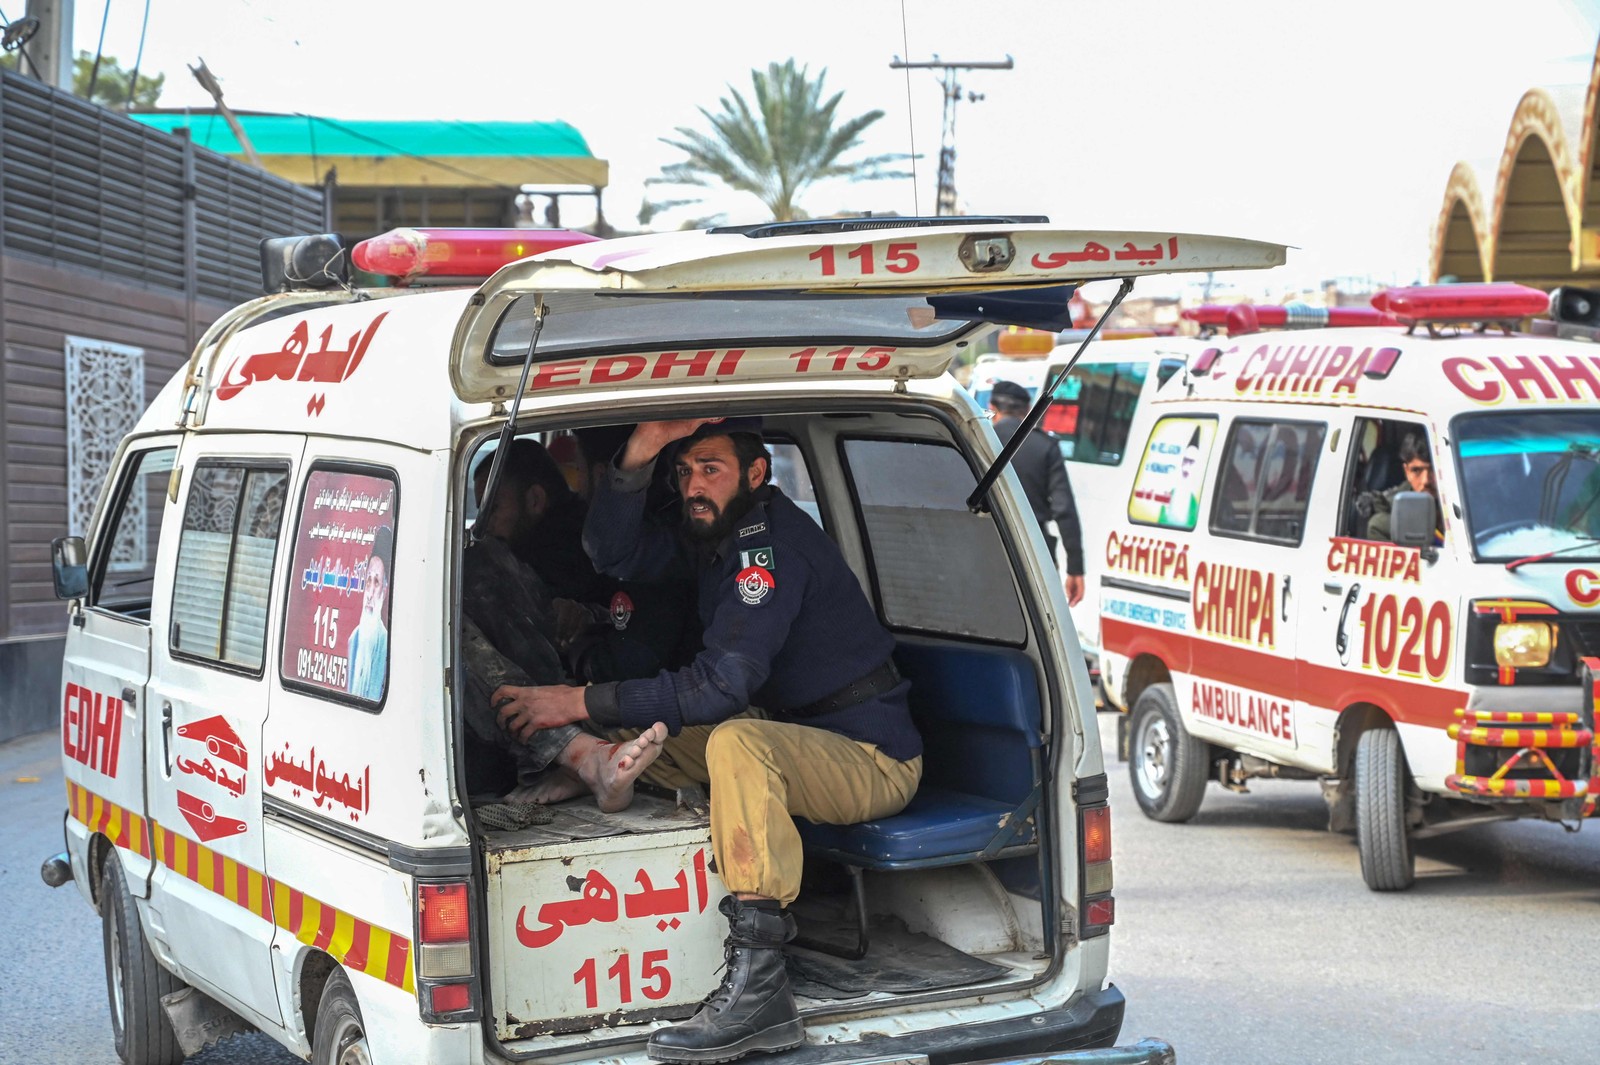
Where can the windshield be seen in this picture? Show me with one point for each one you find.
(1531, 483)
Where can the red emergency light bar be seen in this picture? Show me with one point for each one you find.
(1236, 317)
(407, 254)
(1496, 301)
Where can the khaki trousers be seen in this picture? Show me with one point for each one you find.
(762, 773)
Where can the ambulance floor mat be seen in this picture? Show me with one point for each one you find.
(897, 960)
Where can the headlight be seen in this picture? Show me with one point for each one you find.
(1524, 644)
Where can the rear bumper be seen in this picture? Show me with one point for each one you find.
(1092, 1021)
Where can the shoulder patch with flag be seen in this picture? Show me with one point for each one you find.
(756, 556)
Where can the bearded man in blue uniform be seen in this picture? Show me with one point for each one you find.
(787, 629)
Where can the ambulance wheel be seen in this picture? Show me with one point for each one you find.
(1387, 863)
(1167, 765)
(341, 1035)
(135, 981)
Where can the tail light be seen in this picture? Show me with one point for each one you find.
(1099, 909)
(445, 970)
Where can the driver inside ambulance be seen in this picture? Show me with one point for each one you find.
(1416, 460)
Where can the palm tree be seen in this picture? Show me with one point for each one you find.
(773, 149)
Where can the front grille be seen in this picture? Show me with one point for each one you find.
(1585, 636)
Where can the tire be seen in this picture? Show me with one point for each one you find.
(341, 1036)
(1166, 765)
(135, 981)
(1382, 836)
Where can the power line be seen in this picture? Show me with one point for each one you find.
(911, 125)
(133, 79)
(99, 50)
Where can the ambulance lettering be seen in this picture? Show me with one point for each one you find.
(1406, 637)
(1095, 252)
(1297, 370)
(598, 901)
(1583, 586)
(91, 728)
(899, 257)
(1368, 558)
(712, 364)
(1146, 556)
(295, 362)
(1246, 711)
(1236, 604)
(1524, 378)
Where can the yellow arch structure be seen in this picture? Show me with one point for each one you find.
(1462, 230)
(1542, 226)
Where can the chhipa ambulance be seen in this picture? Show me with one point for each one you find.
(1092, 409)
(1368, 557)
(268, 797)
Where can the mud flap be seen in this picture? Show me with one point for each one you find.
(198, 1020)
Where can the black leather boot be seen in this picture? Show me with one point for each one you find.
(753, 1009)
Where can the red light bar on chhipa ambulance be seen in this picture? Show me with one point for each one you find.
(1241, 318)
(1490, 302)
(407, 254)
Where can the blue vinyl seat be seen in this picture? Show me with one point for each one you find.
(978, 710)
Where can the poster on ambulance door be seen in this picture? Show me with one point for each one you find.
(336, 628)
(1166, 490)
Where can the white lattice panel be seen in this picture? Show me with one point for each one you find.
(105, 396)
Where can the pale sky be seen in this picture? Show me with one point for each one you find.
(1330, 126)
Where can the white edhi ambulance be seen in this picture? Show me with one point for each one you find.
(1369, 557)
(263, 727)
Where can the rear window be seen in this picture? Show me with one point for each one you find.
(598, 325)
(937, 566)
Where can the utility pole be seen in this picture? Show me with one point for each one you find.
(49, 52)
(946, 197)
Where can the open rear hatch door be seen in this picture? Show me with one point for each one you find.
(742, 303)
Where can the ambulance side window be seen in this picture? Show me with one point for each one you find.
(1265, 480)
(790, 474)
(222, 583)
(937, 566)
(1092, 409)
(125, 562)
(1374, 469)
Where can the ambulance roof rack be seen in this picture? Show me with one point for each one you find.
(853, 225)
(1480, 305)
(1241, 318)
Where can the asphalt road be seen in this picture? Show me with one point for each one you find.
(1245, 936)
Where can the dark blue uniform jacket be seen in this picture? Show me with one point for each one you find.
(786, 623)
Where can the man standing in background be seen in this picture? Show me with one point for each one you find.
(1043, 473)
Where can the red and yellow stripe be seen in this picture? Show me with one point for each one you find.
(1521, 717)
(1517, 789)
(354, 943)
(1527, 737)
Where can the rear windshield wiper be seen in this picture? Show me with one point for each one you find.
(1587, 541)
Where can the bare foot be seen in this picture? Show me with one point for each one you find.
(557, 785)
(610, 769)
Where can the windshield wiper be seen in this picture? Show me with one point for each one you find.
(1588, 541)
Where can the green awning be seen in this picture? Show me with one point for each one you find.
(441, 153)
